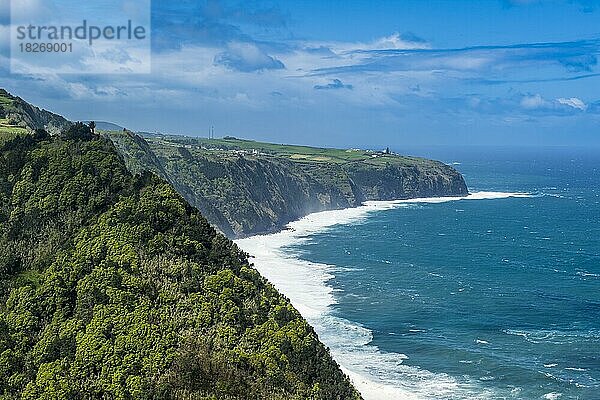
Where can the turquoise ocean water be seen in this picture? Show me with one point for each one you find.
(489, 298)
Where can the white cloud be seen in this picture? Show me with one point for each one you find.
(392, 42)
(573, 102)
(533, 102)
(562, 106)
(247, 57)
(245, 75)
(395, 42)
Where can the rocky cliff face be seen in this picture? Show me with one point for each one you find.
(244, 195)
(395, 182)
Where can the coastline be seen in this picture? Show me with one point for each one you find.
(377, 375)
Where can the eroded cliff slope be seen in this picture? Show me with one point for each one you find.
(246, 187)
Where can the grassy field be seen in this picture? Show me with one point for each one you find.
(8, 132)
(5, 98)
(293, 153)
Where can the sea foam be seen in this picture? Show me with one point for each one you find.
(376, 374)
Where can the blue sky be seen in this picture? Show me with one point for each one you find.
(352, 73)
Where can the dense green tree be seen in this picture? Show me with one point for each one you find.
(79, 131)
(112, 286)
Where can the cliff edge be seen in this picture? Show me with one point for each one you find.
(245, 187)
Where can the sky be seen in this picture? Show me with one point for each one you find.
(348, 73)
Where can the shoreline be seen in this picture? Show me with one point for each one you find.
(385, 203)
(284, 225)
(306, 284)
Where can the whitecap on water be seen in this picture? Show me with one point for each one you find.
(555, 336)
(376, 374)
(552, 396)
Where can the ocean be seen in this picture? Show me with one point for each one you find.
(492, 296)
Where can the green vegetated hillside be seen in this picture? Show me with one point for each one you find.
(16, 115)
(112, 286)
(246, 187)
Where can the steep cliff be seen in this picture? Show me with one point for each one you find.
(246, 187)
(113, 287)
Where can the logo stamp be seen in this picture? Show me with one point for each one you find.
(74, 37)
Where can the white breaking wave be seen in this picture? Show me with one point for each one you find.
(471, 196)
(377, 375)
(552, 396)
